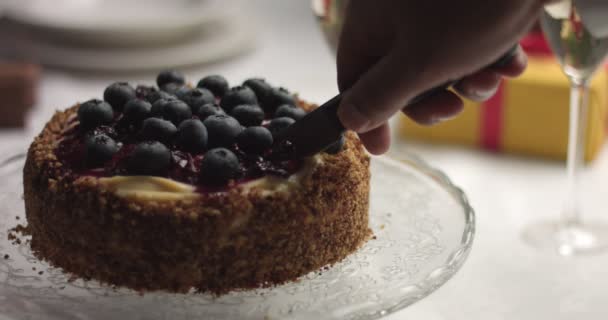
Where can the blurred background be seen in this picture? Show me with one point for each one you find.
(507, 154)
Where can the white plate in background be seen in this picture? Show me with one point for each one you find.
(114, 22)
(217, 40)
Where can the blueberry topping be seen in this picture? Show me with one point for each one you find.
(208, 110)
(219, 166)
(149, 158)
(192, 136)
(169, 76)
(155, 129)
(136, 111)
(118, 94)
(176, 111)
(99, 149)
(248, 114)
(260, 87)
(290, 111)
(238, 96)
(211, 135)
(222, 130)
(336, 146)
(277, 125)
(157, 95)
(255, 140)
(277, 97)
(196, 97)
(214, 83)
(94, 113)
(171, 88)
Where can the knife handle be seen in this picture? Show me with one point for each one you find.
(501, 62)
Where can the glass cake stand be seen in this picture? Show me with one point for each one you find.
(423, 227)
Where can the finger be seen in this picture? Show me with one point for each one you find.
(442, 106)
(360, 47)
(517, 65)
(480, 86)
(377, 141)
(379, 93)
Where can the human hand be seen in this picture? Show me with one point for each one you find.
(392, 50)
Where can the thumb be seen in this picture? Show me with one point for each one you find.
(380, 92)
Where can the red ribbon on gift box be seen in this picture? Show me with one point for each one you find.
(534, 43)
(492, 113)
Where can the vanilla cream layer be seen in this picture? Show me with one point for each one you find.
(157, 188)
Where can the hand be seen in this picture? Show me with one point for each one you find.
(392, 50)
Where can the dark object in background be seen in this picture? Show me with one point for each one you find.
(18, 85)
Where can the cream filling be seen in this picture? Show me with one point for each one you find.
(157, 188)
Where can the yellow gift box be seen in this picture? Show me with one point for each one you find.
(529, 115)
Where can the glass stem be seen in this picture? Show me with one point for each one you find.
(576, 149)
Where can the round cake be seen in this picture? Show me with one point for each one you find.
(183, 188)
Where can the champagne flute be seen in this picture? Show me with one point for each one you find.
(330, 17)
(580, 54)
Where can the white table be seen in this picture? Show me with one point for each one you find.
(503, 278)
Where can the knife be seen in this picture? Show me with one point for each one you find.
(321, 127)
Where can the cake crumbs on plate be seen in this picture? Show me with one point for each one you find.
(16, 233)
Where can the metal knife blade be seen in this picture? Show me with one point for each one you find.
(316, 131)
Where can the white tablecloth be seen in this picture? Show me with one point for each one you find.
(504, 278)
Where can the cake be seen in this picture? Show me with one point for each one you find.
(182, 188)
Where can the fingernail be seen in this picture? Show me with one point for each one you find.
(485, 94)
(353, 119)
(436, 119)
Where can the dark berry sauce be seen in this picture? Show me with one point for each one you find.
(184, 165)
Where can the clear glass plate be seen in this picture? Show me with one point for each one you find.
(423, 226)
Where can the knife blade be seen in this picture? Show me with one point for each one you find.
(316, 131)
(321, 127)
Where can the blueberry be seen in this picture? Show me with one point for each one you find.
(157, 95)
(149, 158)
(208, 110)
(94, 113)
(277, 125)
(99, 149)
(260, 87)
(290, 111)
(157, 129)
(336, 146)
(222, 130)
(277, 97)
(159, 105)
(237, 96)
(176, 111)
(169, 76)
(118, 94)
(219, 166)
(255, 140)
(136, 111)
(196, 97)
(214, 83)
(192, 136)
(248, 114)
